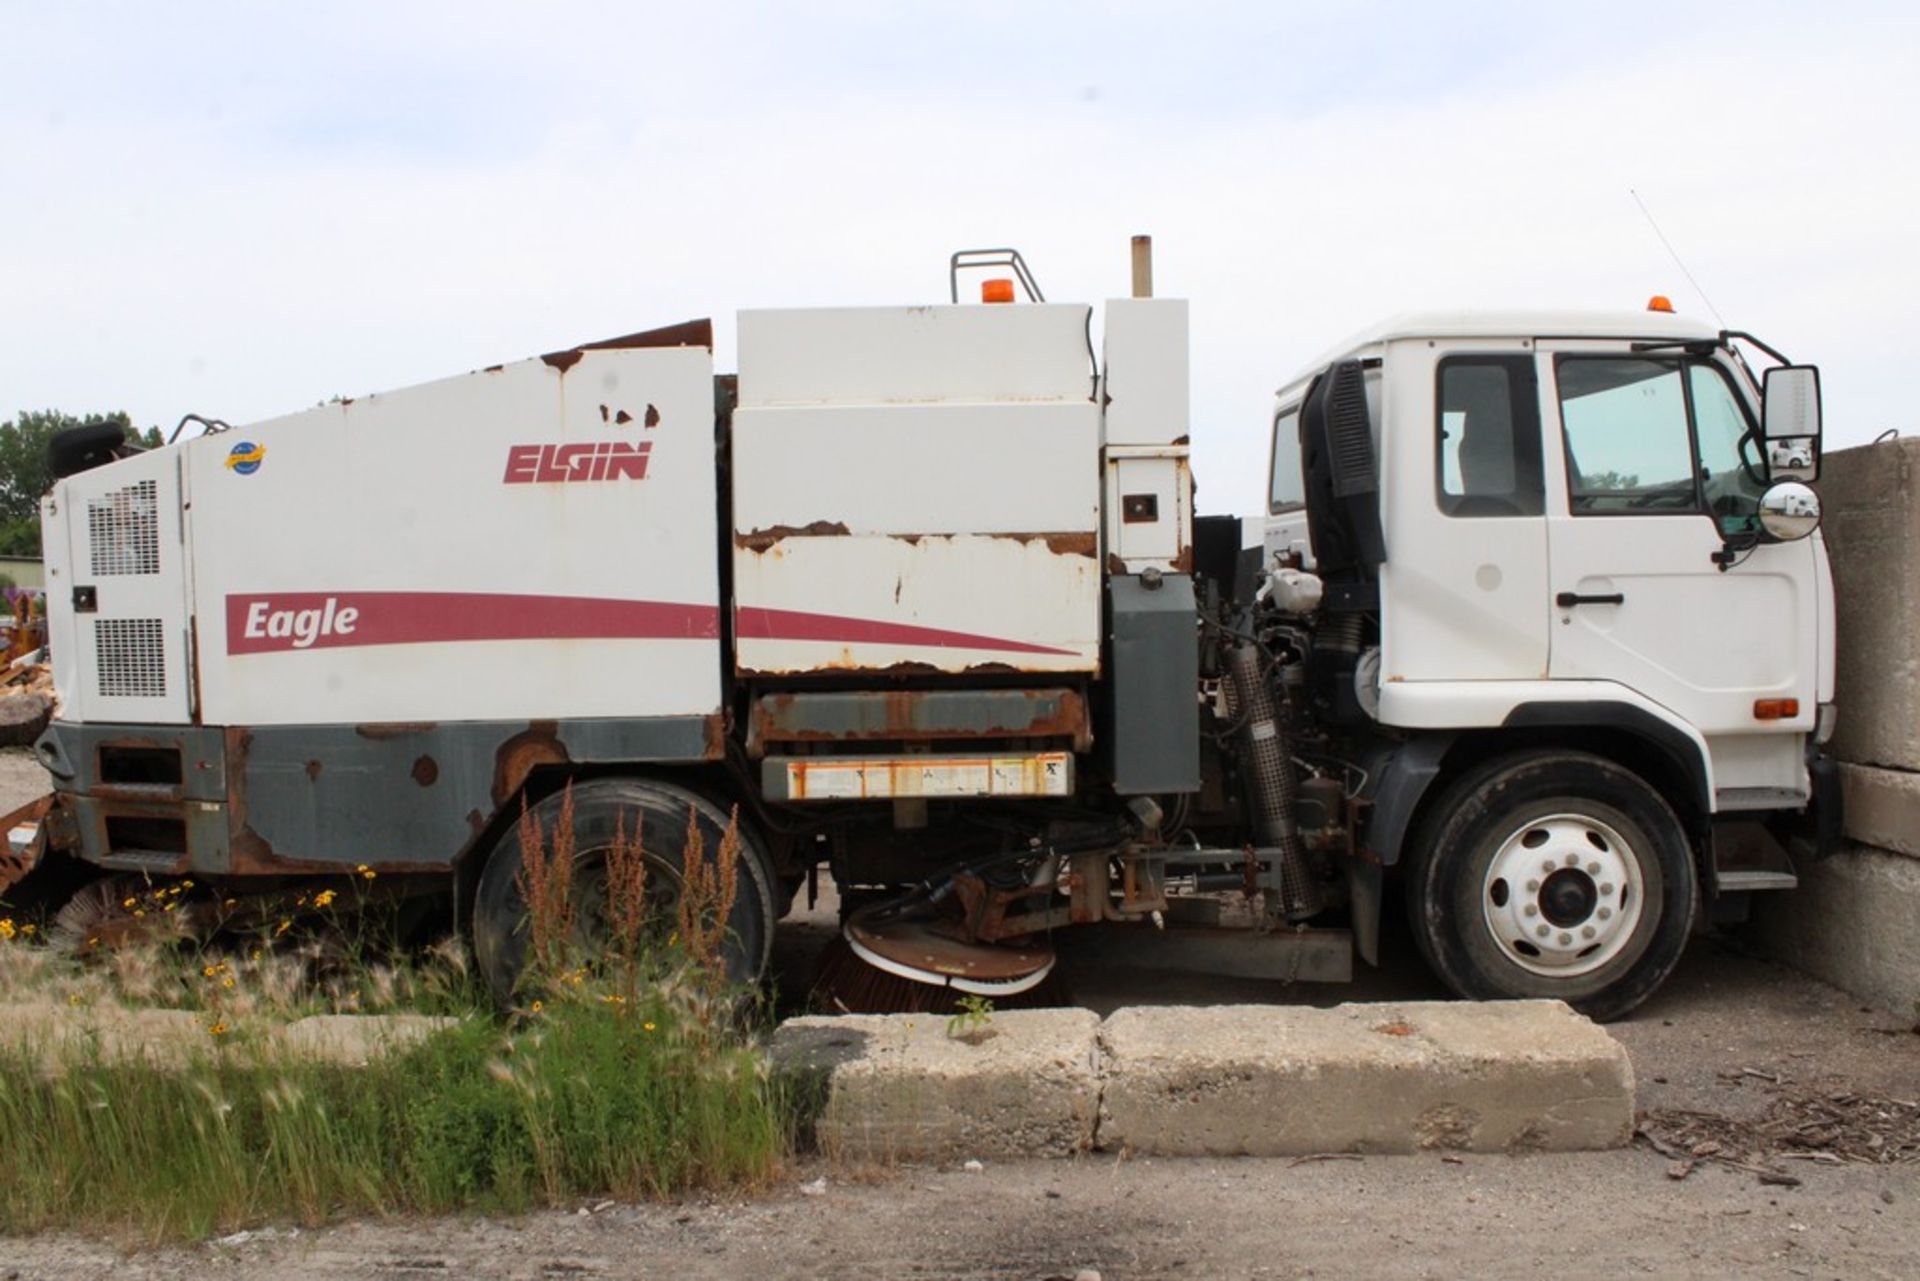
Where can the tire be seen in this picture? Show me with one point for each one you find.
(601, 807)
(1600, 930)
(77, 449)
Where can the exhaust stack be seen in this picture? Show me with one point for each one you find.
(1143, 266)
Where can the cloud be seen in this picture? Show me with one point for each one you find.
(242, 212)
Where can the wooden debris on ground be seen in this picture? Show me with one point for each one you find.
(1834, 1127)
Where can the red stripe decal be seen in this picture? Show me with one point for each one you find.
(787, 624)
(332, 620)
(275, 622)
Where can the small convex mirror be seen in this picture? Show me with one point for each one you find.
(1789, 511)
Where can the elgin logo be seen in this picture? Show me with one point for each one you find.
(565, 464)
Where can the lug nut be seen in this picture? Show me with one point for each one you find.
(1586, 931)
(1565, 939)
(1606, 913)
(1533, 887)
(1532, 910)
(1607, 889)
(1542, 931)
(1593, 869)
(1547, 867)
(1573, 860)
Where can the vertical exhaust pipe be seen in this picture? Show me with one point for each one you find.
(1143, 266)
(1266, 749)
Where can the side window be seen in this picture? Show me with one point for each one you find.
(1288, 489)
(1733, 481)
(1628, 444)
(1488, 460)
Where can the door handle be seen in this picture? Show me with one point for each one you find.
(1567, 600)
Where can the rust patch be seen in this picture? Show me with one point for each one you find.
(652, 418)
(1180, 440)
(1183, 563)
(562, 360)
(493, 369)
(1074, 544)
(622, 418)
(905, 715)
(688, 333)
(426, 771)
(605, 414)
(713, 737)
(1116, 565)
(313, 769)
(382, 731)
(538, 744)
(14, 867)
(758, 540)
(476, 821)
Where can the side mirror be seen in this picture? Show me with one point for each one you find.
(1789, 511)
(1790, 410)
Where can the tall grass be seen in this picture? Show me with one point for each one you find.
(625, 1073)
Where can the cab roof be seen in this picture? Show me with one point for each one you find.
(1651, 325)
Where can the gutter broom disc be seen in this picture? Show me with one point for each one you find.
(916, 950)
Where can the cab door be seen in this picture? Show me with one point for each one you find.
(1647, 474)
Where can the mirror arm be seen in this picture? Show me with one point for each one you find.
(1728, 335)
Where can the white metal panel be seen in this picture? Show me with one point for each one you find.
(868, 355)
(532, 541)
(1145, 371)
(935, 603)
(130, 655)
(1158, 476)
(918, 469)
(1462, 598)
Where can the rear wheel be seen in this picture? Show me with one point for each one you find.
(1554, 875)
(603, 811)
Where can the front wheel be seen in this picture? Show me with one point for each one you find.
(605, 811)
(1557, 875)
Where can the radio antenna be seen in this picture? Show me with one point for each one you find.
(1675, 255)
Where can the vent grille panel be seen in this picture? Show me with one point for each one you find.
(131, 657)
(123, 530)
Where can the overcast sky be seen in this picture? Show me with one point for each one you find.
(240, 210)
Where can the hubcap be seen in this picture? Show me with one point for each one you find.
(1563, 895)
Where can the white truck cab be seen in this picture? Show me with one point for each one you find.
(1576, 547)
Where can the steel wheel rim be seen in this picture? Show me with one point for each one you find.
(1563, 895)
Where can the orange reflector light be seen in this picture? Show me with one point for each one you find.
(1775, 709)
(1660, 302)
(996, 291)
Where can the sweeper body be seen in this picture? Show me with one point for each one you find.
(1538, 619)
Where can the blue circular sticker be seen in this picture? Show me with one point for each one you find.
(246, 457)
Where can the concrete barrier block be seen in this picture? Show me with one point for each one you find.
(1282, 1081)
(1883, 808)
(1854, 921)
(355, 1040)
(900, 1087)
(1870, 498)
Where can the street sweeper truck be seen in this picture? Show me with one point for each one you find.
(1538, 623)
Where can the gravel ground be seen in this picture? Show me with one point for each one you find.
(1729, 1036)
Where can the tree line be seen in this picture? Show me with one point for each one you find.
(24, 476)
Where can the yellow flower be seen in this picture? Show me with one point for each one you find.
(217, 1029)
(282, 928)
(186, 885)
(73, 998)
(323, 899)
(227, 983)
(537, 1007)
(229, 903)
(208, 971)
(6, 927)
(614, 998)
(366, 873)
(26, 931)
(646, 1027)
(139, 911)
(126, 902)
